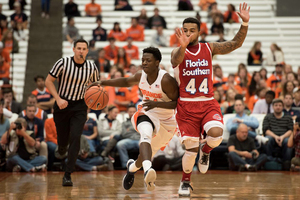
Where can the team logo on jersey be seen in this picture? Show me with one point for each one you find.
(217, 117)
(198, 63)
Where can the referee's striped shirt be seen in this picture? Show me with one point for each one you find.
(73, 77)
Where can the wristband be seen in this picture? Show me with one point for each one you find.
(245, 24)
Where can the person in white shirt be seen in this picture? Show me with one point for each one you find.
(264, 106)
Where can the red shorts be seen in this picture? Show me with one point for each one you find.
(193, 116)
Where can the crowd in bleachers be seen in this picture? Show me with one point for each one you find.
(267, 105)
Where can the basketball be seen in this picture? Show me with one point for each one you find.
(96, 98)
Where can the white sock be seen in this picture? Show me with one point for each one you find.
(146, 165)
(133, 168)
(247, 166)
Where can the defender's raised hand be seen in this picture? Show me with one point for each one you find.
(182, 38)
(244, 12)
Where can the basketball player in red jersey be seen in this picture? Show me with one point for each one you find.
(197, 110)
(155, 119)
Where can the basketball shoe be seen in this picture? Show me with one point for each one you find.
(185, 189)
(149, 178)
(128, 179)
(203, 162)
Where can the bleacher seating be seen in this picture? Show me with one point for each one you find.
(19, 60)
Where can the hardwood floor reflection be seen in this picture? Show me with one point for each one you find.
(107, 185)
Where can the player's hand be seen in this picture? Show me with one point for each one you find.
(148, 105)
(182, 38)
(244, 12)
(97, 83)
(62, 104)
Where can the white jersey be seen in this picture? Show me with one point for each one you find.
(154, 92)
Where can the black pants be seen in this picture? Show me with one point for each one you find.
(69, 124)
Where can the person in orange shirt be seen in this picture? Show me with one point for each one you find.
(274, 80)
(254, 84)
(93, 9)
(131, 50)
(230, 15)
(4, 53)
(39, 113)
(205, 4)
(122, 60)
(117, 33)
(4, 70)
(136, 31)
(102, 63)
(203, 26)
(9, 42)
(111, 50)
(148, 2)
(218, 78)
(242, 77)
(231, 84)
(260, 94)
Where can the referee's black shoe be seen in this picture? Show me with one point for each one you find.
(67, 180)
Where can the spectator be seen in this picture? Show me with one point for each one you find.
(4, 70)
(263, 106)
(136, 32)
(260, 93)
(263, 72)
(287, 107)
(255, 56)
(148, 2)
(143, 19)
(275, 79)
(296, 95)
(217, 26)
(278, 128)
(71, 9)
(45, 100)
(203, 26)
(93, 9)
(89, 161)
(111, 50)
(45, 4)
(294, 141)
(217, 96)
(206, 4)
(51, 140)
(34, 124)
(230, 109)
(218, 78)
(19, 33)
(215, 12)
(93, 52)
(11, 4)
(90, 132)
(122, 5)
(3, 27)
(102, 62)
(185, 5)
(117, 33)
(22, 149)
(109, 126)
(241, 118)
(99, 33)
(242, 78)
(242, 152)
(229, 101)
(4, 122)
(230, 15)
(275, 56)
(18, 16)
(253, 86)
(39, 113)
(203, 38)
(221, 37)
(70, 32)
(231, 84)
(170, 158)
(127, 140)
(159, 39)
(9, 101)
(174, 40)
(131, 50)
(4, 53)
(10, 44)
(288, 88)
(156, 20)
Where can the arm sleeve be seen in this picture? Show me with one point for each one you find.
(57, 68)
(252, 122)
(266, 124)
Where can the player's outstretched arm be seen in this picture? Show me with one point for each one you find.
(237, 41)
(123, 82)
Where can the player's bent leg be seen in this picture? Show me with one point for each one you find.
(188, 161)
(213, 139)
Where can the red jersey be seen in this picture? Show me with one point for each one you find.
(195, 75)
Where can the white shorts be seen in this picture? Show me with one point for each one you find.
(164, 129)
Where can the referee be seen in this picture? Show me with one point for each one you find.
(70, 111)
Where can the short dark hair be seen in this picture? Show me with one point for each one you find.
(131, 105)
(70, 18)
(238, 97)
(81, 41)
(154, 51)
(192, 20)
(37, 77)
(270, 92)
(277, 101)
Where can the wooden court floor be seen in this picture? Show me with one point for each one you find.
(215, 185)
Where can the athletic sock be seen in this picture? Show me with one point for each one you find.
(133, 168)
(186, 177)
(146, 165)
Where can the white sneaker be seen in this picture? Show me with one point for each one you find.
(203, 162)
(184, 189)
(261, 139)
(149, 178)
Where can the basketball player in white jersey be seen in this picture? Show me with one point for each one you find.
(197, 110)
(155, 119)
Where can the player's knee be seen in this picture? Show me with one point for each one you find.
(214, 128)
(213, 142)
(191, 145)
(188, 161)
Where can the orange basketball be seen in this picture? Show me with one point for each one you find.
(96, 98)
